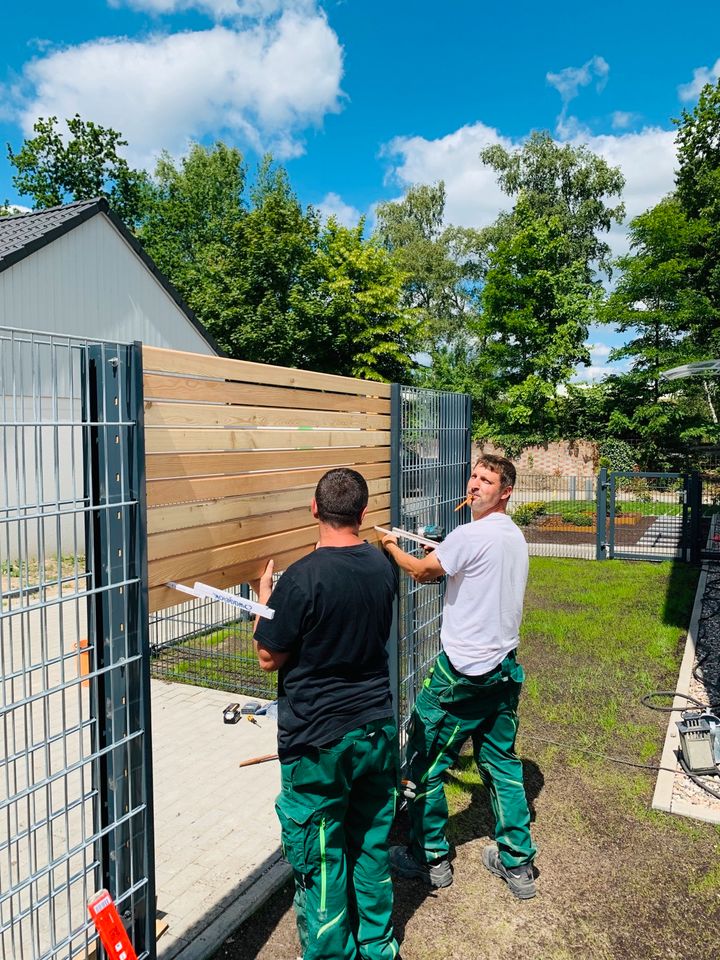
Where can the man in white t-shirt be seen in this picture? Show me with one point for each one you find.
(474, 686)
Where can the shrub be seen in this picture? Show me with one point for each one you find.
(617, 455)
(577, 515)
(525, 513)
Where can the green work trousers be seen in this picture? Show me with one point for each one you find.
(450, 708)
(336, 808)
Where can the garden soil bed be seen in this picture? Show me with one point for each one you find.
(628, 531)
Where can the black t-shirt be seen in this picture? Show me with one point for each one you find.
(333, 610)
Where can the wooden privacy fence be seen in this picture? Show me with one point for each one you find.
(233, 453)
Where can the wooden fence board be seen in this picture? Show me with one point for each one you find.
(167, 414)
(185, 490)
(158, 359)
(208, 535)
(162, 440)
(194, 390)
(186, 516)
(161, 597)
(162, 465)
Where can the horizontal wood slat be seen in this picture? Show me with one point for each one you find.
(186, 516)
(178, 440)
(162, 596)
(158, 359)
(208, 535)
(187, 566)
(158, 465)
(166, 414)
(185, 490)
(193, 390)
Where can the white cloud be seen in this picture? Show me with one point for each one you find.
(568, 82)
(473, 198)
(217, 9)
(701, 76)
(622, 119)
(333, 205)
(599, 350)
(264, 84)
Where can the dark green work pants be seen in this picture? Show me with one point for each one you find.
(335, 809)
(450, 708)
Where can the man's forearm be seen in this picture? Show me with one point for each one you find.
(415, 567)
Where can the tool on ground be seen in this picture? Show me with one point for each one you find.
(232, 713)
(464, 503)
(110, 927)
(700, 741)
(203, 590)
(252, 706)
(416, 538)
(251, 719)
(253, 760)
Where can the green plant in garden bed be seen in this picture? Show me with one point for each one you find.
(525, 513)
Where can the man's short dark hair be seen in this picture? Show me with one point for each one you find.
(498, 465)
(341, 496)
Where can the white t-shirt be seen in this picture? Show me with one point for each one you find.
(487, 566)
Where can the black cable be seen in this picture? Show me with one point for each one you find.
(674, 693)
(697, 780)
(594, 753)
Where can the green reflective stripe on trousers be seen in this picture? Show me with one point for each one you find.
(439, 756)
(323, 867)
(429, 793)
(331, 923)
(444, 672)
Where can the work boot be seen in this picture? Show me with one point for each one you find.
(438, 874)
(521, 880)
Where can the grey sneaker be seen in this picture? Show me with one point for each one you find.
(438, 874)
(521, 880)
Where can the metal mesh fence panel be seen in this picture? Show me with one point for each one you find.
(648, 516)
(432, 459)
(75, 791)
(557, 515)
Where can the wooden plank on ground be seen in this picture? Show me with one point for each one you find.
(178, 440)
(186, 490)
(161, 597)
(168, 414)
(194, 390)
(183, 516)
(210, 535)
(164, 465)
(162, 360)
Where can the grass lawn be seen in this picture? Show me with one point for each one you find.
(617, 881)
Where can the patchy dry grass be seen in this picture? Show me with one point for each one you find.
(617, 881)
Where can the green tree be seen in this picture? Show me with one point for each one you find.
(543, 285)
(442, 264)
(53, 170)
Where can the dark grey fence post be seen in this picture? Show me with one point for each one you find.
(693, 504)
(118, 622)
(601, 515)
(395, 506)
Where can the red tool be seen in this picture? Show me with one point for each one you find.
(110, 927)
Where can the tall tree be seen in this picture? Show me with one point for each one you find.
(442, 264)
(543, 285)
(53, 169)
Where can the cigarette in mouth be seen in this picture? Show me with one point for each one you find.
(465, 503)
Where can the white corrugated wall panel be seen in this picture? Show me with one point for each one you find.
(90, 283)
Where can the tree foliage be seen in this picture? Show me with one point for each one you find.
(53, 169)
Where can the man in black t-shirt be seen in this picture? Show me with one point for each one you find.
(337, 739)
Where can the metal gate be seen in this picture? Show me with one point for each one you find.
(655, 506)
(75, 768)
(431, 466)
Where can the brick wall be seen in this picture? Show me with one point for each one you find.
(562, 458)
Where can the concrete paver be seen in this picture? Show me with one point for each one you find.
(217, 838)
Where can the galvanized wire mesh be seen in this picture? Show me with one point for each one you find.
(58, 826)
(433, 468)
(557, 514)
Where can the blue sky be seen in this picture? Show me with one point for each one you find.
(360, 98)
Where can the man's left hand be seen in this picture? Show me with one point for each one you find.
(263, 586)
